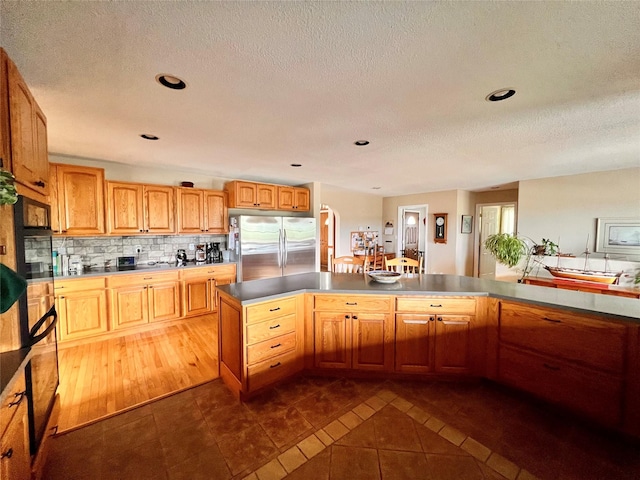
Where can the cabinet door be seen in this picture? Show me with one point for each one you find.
(5, 132)
(372, 341)
(41, 147)
(286, 199)
(159, 209)
(21, 113)
(452, 343)
(17, 464)
(414, 342)
(246, 195)
(129, 306)
(220, 280)
(266, 196)
(190, 210)
(197, 297)
(164, 301)
(217, 220)
(82, 314)
(302, 202)
(125, 208)
(332, 339)
(81, 200)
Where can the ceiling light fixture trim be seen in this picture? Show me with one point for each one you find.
(361, 143)
(170, 81)
(296, 165)
(148, 136)
(501, 94)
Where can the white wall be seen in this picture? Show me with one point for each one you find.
(353, 210)
(439, 258)
(567, 207)
(464, 244)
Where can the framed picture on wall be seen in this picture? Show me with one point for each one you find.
(618, 235)
(467, 224)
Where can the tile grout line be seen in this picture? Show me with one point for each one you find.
(276, 469)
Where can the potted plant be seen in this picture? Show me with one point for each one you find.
(510, 250)
(8, 194)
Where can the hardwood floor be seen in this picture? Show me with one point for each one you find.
(102, 378)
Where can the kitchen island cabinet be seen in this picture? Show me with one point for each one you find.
(573, 349)
(15, 459)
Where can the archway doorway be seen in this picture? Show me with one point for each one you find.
(327, 237)
(412, 232)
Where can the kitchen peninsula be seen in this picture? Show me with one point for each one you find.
(573, 349)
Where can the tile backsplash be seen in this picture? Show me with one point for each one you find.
(154, 248)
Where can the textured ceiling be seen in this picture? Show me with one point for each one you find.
(275, 83)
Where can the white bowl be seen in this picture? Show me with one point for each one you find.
(384, 276)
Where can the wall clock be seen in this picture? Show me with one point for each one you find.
(440, 232)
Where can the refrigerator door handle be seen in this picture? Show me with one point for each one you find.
(280, 248)
(286, 247)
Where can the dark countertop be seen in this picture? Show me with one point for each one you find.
(10, 364)
(259, 290)
(140, 268)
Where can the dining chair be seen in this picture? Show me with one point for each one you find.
(347, 265)
(403, 265)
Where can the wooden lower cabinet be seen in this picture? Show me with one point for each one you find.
(142, 298)
(15, 459)
(595, 394)
(359, 336)
(260, 344)
(199, 296)
(82, 307)
(437, 335)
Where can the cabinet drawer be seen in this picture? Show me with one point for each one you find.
(273, 369)
(353, 303)
(268, 329)
(271, 348)
(269, 310)
(16, 395)
(566, 335)
(209, 272)
(436, 305)
(78, 284)
(595, 394)
(141, 279)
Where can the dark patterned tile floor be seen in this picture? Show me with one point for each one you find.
(332, 429)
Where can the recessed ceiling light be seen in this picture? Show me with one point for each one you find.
(501, 94)
(361, 143)
(296, 164)
(148, 136)
(376, 188)
(170, 81)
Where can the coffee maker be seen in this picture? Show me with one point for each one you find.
(201, 255)
(214, 255)
(181, 257)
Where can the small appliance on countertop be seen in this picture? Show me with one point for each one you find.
(126, 263)
(214, 255)
(201, 255)
(181, 257)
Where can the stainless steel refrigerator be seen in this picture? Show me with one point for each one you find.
(267, 247)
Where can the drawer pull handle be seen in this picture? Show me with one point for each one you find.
(552, 320)
(416, 322)
(274, 309)
(274, 326)
(7, 454)
(551, 367)
(148, 278)
(276, 365)
(352, 303)
(276, 346)
(56, 288)
(39, 183)
(18, 396)
(436, 306)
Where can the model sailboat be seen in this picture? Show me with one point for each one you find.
(585, 274)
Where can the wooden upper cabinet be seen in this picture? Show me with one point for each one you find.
(293, 198)
(251, 195)
(217, 216)
(202, 211)
(125, 214)
(5, 146)
(159, 206)
(28, 133)
(135, 208)
(80, 200)
(190, 210)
